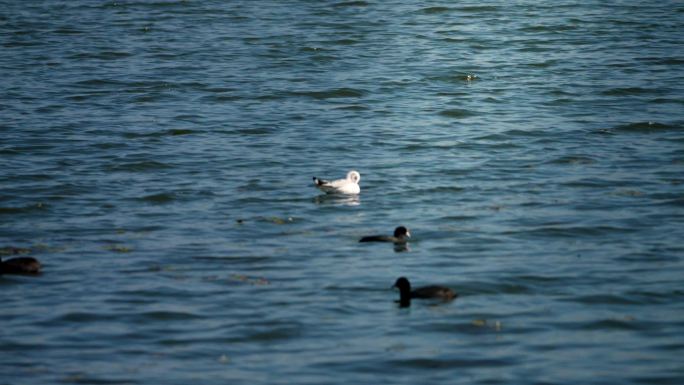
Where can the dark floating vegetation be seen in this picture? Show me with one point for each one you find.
(118, 248)
(11, 250)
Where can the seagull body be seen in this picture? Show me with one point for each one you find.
(349, 185)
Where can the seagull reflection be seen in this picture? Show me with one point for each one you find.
(337, 200)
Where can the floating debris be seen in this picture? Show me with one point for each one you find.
(274, 220)
(11, 250)
(278, 220)
(479, 322)
(249, 280)
(119, 248)
(628, 193)
(483, 323)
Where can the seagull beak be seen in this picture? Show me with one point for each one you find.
(408, 234)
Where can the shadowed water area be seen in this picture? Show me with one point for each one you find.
(157, 156)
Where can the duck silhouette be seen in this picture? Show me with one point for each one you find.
(20, 265)
(401, 235)
(425, 292)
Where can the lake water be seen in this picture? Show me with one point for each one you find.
(157, 157)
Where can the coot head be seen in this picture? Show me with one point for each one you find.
(404, 291)
(402, 232)
(403, 284)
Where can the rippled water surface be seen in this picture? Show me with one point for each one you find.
(157, 156)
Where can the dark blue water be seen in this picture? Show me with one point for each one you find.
(157, 156)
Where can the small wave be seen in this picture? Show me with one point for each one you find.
(67, 31)
(605, 299)
(50, 108)
(543, 280)
(459, 218)
(626, 323)
(624, 91)
(450, 78)
(677, 202)
(159, 198)
(669, 61)
(253, 131)
(274, 334)
(439, 189)
(667, 101)
(72, 317)
(493, 137)
(97, 83)
(573, 159)
(431, 363)
(158, 134)
(352, 107)
(543, 64)
(180, 131)
(435, 10)
(351, 4)
(221, 98)
(22, 210)
(143, 166)
(572, 231)
(161, 315)
(104, 55)
(524, 133)
(478, 8)
(488, 287)
(537, 28)
(651, 257)
(644, 127)
(89, 378)
(536, 47)
(344, 42)
(457, 113)
(331, 94)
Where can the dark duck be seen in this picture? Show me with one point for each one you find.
(20, 265)
(401, 235)
(426, 292)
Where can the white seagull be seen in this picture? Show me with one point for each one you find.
(349, 185)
